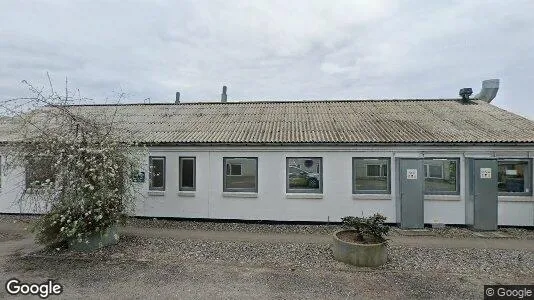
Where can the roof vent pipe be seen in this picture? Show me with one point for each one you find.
(224, 97)
(177, 101)
(489, 90)
(465, 93)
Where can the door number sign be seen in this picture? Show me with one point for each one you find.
(485, 173)
(411, 173)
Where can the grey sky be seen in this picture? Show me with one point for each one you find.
(270, 49)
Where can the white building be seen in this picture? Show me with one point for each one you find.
(415, 161)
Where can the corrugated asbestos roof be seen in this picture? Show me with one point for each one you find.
(339, 121)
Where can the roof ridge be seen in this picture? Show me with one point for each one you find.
(268, 102)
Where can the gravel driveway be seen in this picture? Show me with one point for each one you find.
(151, 267)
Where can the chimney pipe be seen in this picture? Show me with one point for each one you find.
(489, 90)
(465, 93)
(177, 101)
(224, 97)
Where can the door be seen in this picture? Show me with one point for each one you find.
(411, 189)
(485, 194)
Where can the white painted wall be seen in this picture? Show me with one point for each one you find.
(273, 203)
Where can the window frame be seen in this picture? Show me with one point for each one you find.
(225, 174)
(180, 174)
(305, 191)
(457, 161)
(374, 159)
(527, 179)
(150, 159)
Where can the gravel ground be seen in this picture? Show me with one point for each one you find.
(448, 231)
(244, 269)
(8, 236)
(148, 267)
(307, 255)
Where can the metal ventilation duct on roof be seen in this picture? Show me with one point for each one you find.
(489, 90)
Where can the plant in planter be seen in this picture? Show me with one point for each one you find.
(364, 244)
(77, 169)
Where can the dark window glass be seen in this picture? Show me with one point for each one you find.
(40, 172)
(187, 174)
(157, 173)
(373, 170)
(235, 169)
(514, 177)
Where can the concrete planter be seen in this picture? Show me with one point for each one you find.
(362, 255)
(96, 240)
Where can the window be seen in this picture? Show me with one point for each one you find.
(304, 175)
(514, 177)
(234, 170)
(187, 174)
(370, 175)
(240, 174)
(441, 176)
(39, 172)
(374, 170)
(434, 171)
(156, 173)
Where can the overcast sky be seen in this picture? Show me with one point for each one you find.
(270, 50)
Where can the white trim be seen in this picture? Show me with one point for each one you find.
(371, 196)
(239, 195)
(186, 193)
(303, 196)
(443, 197)
(516, 199)
(156, 193)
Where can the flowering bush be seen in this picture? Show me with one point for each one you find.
(83, 165)
(90, 191)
